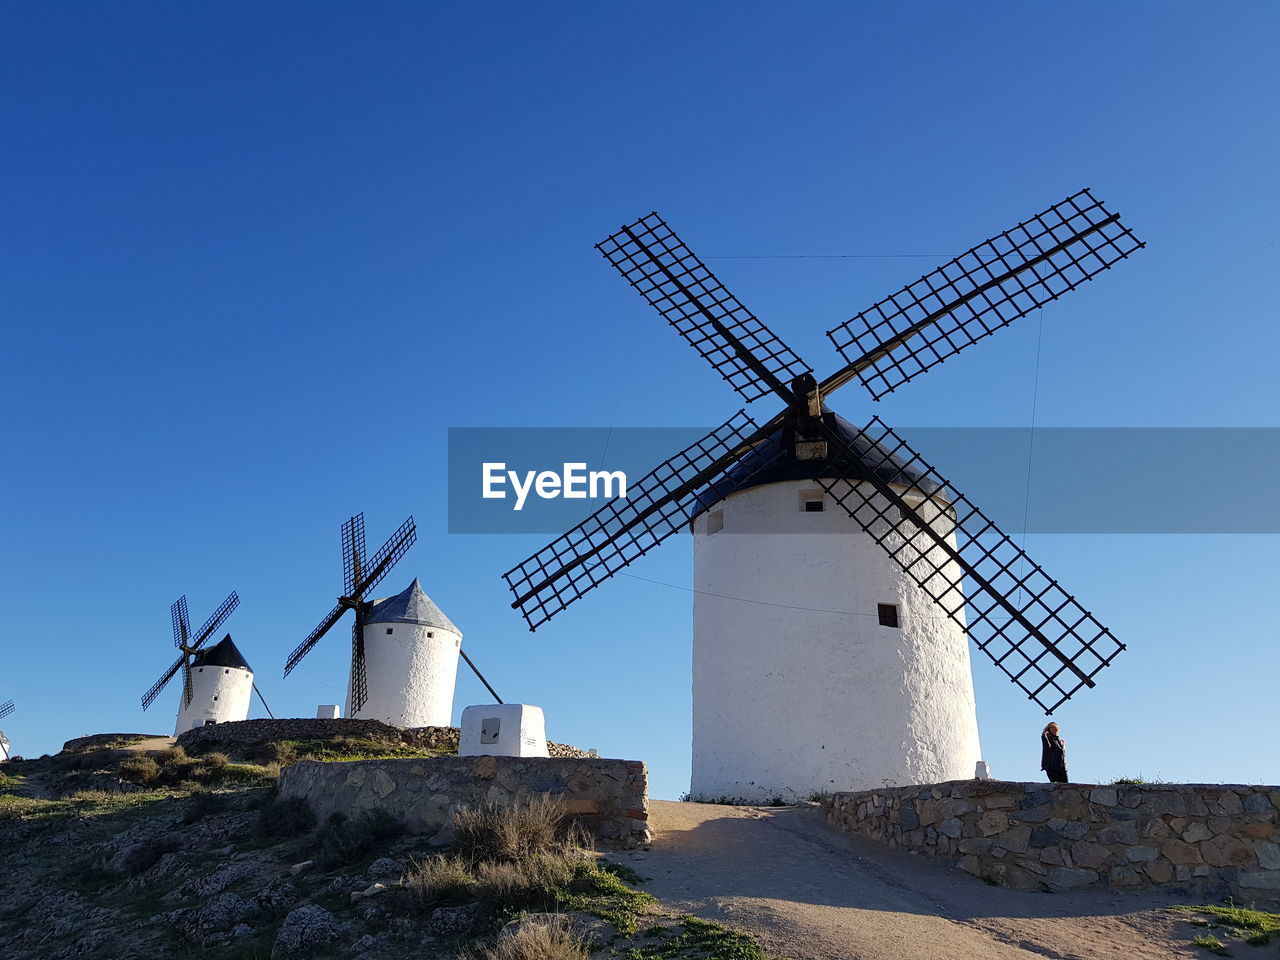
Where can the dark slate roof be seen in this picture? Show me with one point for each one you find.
(774, 461)
(411, 606)
(224, 653)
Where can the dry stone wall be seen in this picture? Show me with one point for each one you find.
(1212, 840)
(609, 797)
(442, 739)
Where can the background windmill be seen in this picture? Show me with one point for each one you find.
(360, 576)
(6, 708)
(188, 644)
(955, 558)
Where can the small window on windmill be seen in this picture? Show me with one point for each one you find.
(715, 521)
(389, 629)
(430, 634)
(228, 670)
(489, 729)
(811, 501)
(888, 613)
(215, 698)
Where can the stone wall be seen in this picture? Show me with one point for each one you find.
(609, 797)
(443, 739)
(1211, 840)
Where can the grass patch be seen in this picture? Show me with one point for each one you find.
(1256, 927)
(1207, 941)
(696, 938)
(337, 750)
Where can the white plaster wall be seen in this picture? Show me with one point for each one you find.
(410, 673)
(791, 695)
(521, 731)
(220, 694)
(4, 747)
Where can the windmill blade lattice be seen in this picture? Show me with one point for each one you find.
(181, 622)
(622, 531)
(679, 286)
(981, 291)
(352, 552)
(6, 708)
(1018, 615)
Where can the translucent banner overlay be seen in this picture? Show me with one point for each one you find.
(1050, 480)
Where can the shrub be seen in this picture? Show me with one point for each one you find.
(343, 840)
(215, 759)
(279, 752)
(141, 769)
(554, 940)
(437, 881)
(522, 830)
(529, 883)
(285, 819)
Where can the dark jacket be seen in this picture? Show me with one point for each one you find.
(1053, 753)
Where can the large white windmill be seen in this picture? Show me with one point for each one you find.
(836, 573)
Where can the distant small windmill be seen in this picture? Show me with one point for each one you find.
(6, 708)
(360, 576)
(188, 643)
(840, 661)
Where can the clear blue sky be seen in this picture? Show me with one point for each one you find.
(256, 261)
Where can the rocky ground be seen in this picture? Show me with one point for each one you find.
(130, 849)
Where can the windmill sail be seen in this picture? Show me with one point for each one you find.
(679, 286)
(1019, 616)
(188, 644)
(979, 292)
(360, 576)
(619, 533)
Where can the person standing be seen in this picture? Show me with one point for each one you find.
(1053, 754)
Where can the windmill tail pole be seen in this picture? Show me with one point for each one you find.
(480, 675)
(264, 701)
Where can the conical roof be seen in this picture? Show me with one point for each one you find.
(224, 653)
(411, 606)
(774, 461)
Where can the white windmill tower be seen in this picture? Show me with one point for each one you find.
(216, 683)
(6, 708)
(836, 573)
(221, 687)
(410, 661)
(404, 650)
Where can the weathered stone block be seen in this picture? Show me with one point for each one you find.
(951, 828)
(1061, 879)
(1195, 832)
(1179, 852)
(1225, 851)
(1124, 876)
(993, 822)
(1015, 838)
(1105, 796)
(1126, 832)
(1268, 855)
(1139, 853)
(1260, 880)
(1159, 871)
(1091, 855)
(1045, 837)
(1257, 803)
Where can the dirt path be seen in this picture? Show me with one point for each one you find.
(810, 892)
